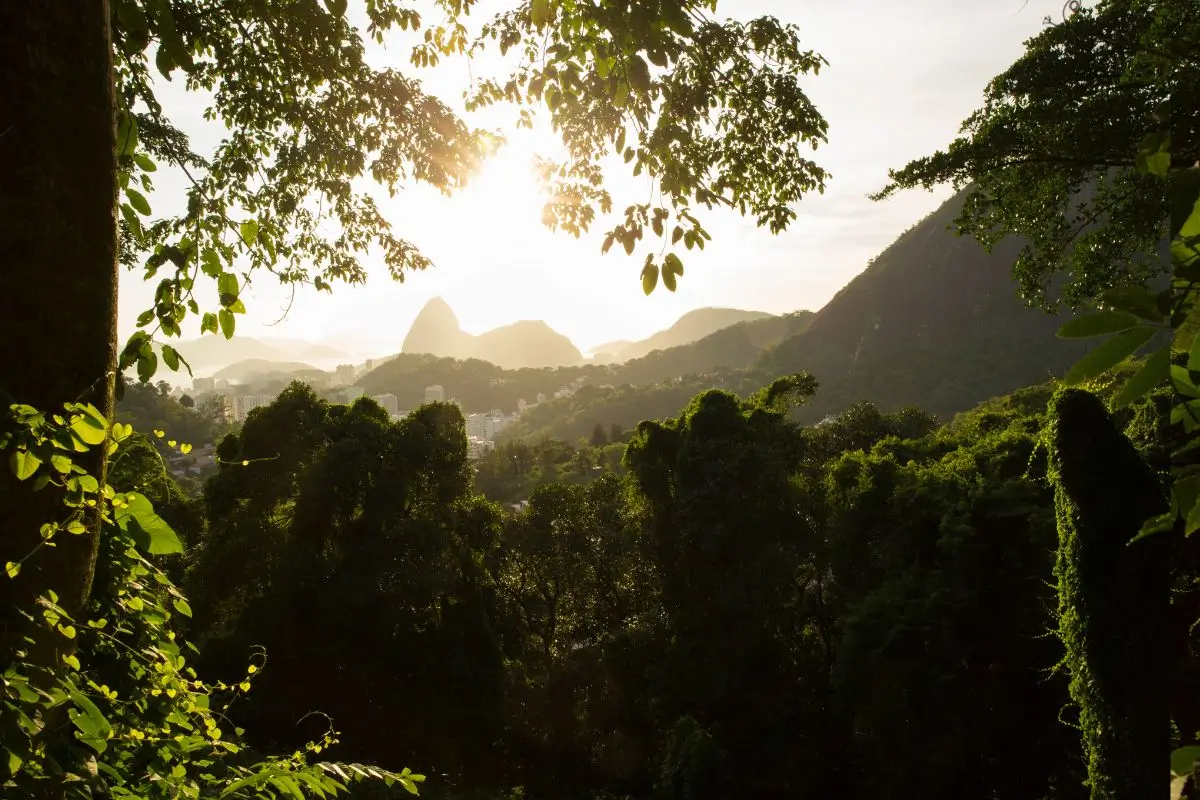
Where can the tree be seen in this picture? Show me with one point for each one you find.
(57, 198)
(187, 402)
(616, 434)
(1114, 596)
(599, 437)
(308, 117)
(1051, 156)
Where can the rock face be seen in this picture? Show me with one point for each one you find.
(436, 331)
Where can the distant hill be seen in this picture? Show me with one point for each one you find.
(210, 353)
(691, 327)
(734, 347)
(257, 369)
(933, 322)
(436, 331)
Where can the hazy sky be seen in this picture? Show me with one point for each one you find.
(902, 77)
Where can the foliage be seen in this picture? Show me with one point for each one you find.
(119, 711)
(510, 472)
(1051, 156)
(1113, 595)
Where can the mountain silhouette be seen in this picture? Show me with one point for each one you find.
(436, 331)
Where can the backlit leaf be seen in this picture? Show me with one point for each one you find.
(1097, 324)
(1107, 355)
(1156, 370)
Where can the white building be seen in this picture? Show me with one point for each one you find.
(204, 385)
(390, 403)
(477, 447)
(435, 394)
(486, 425)
(343, 375)
(243, 403)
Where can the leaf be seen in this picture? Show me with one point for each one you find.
(249, 228)
(673, 264)
(60, 463)
(1156, 370)
(170, 357)
(1184, 194)
(1134, 299)
(89, 425)
(227, 287)
(149, 530)
(1097, 324)
(649, 278)
(147, 365)
(1108, 354)
(1194, 356)
(23, 464)
(639, 74)
(1183, 760)
(539, 13)
(228, 322)
(336, 7)
(1183, 381)
(138, 201)
(127, 136)
(668, 279)
(182, 606)
(12, 569)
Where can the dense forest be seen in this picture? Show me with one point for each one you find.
(914, 545)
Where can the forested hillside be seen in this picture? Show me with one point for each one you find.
(770, 563)
(934, 321)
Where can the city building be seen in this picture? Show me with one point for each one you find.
(390, 403)
(244, 403)
(541, 397)
(343, 375)
(435, 394)
(476, 448)
(204, 385)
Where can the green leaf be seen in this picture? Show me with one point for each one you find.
(170, 357)
(639, 74)
(182, 607)
(1193, 364)
(228, 322)
(1134, 299)
(89, 425)
(149, 530)
(649, 278)
(249, 228)
(539, 13)
(1156, 370)
(127, 135)
(336, 7)
(147, 365)
(1183, 381)
(1097, 324)
(138, 201)
(668, 279)
(1183, 760)
(1107, 355)
(1154, 154)
(1184, 193)
(208, 322)
(673, 264)
(61, 463)
(23, 464)
(91, 723)
(12, 569)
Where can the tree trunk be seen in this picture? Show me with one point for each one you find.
(58, 264)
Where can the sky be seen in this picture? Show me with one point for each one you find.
(901, 78)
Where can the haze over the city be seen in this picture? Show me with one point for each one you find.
(902, 76)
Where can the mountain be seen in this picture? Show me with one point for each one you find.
(436, 331)
(933, 322)
(210, 353)
(257, 369)
(691, 327)
(734, 347)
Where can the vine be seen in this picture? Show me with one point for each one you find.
(117, 710)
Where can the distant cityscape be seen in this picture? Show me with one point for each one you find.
(481, 428)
